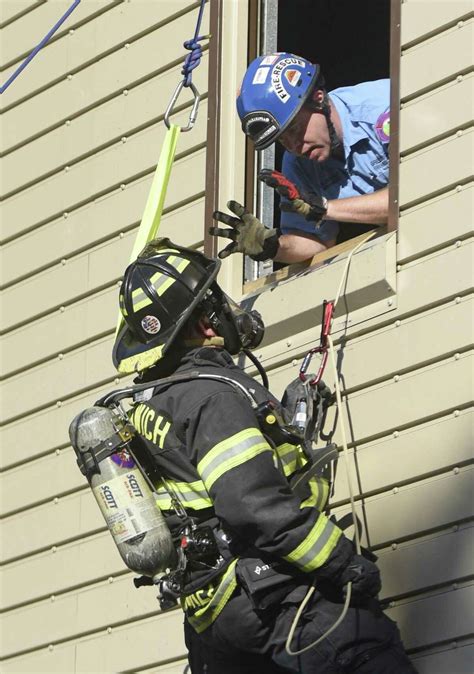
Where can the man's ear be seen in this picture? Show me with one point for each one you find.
(318, 96)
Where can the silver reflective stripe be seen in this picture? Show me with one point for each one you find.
(310, 558)
(288, 458)
(193, 494)
(230, 453)
(318, 498)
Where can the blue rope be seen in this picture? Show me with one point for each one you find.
(39, 46)
(193, 59)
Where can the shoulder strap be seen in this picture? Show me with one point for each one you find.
(143, 392)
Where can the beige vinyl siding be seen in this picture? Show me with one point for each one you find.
(82, 129)
(19, 38)
(13, 10)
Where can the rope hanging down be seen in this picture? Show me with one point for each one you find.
(191, 62)
(326, 346)
(151, 217)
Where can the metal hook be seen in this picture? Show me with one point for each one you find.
(194, 110)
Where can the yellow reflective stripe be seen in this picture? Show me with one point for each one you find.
(315, 549)
(230, 453)
(319, 494)
(162, 284)
(140, 305)
(192, 494)
(291, 457)
(139, 299)
(161, 251)
(206, 616)
(140, 361)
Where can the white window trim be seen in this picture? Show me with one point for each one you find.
(291, 299)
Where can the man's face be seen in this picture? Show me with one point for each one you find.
(308, 136)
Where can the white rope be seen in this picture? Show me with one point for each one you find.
(346, 266)
(345, 449)
(349, 483)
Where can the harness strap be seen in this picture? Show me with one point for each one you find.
(151, 217)
(143, 392)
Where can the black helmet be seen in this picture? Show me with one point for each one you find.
(159, 293)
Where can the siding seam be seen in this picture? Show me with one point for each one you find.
(433, 140)
(355, 333)
(21, 13)
(86, 633)
(58, 36)
(128, 134)
(426, 591)
(439, 30)
(441, 646)
(92, 106)
(101, 194)
(435, 85)
(359, 498)
(64, 592)
(98, 242)
(467, 637)
(436, 193)
(367, 386)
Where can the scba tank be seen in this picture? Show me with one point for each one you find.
(101, 441)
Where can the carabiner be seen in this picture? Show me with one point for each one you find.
(306, 361)
(322, 367)
(194, 110)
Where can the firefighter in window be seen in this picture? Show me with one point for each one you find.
(229, 467)
(335, 167)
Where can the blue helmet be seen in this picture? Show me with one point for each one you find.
(272, 92)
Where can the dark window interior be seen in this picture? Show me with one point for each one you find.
(350, 39)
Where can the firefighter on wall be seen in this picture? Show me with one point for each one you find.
(222, 463)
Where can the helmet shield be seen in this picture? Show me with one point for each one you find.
(159, 292)
(273, 90)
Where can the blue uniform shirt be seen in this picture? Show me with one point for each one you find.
(362, 109)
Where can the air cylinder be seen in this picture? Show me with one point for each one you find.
(102, 442)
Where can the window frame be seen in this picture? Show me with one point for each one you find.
(259, 12)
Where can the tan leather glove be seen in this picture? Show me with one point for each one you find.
(249, 236)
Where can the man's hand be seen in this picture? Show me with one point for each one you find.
(364, 576)
(249, 236)
(311, 208)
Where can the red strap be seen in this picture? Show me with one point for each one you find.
(328, 311)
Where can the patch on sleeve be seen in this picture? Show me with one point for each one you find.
(382, 127)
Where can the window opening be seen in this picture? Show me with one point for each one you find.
(351, 42)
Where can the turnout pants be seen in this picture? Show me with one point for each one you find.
(245, 640)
